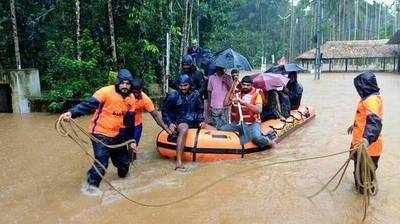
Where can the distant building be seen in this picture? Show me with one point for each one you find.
(354, 55)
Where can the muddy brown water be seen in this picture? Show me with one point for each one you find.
(41, 173)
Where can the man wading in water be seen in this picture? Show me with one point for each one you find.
(367, 125)
(112, 123)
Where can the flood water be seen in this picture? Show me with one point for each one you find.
(41, 173)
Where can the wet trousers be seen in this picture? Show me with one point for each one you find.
(120, 157)
(250, 132)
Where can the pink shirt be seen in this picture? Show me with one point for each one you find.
(219, 87)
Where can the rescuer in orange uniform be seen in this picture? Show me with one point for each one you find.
(113, 123)
(367, 125)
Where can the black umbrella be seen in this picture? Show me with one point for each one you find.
(284, 69)
(202, 56)
(277, 69)
(293, 67)
(231, 59)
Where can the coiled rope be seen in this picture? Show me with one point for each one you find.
(365, 175)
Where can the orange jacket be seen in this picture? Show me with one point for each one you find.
(253, 97)
(109, 117)
(366, 124)
(145, 104)
(114, 114)
(369, 115)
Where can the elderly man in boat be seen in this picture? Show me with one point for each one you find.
(183, 109)
(246, 106)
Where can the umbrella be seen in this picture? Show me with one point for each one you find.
(269, 81)
(203, 57)
(211, 69)
(284, 69)
(231, 59)
(293, 67)
(277, 69)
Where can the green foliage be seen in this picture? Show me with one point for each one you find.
(112, 77)
(69, 78)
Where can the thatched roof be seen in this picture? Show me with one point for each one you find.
(395, 39)
(353, 49)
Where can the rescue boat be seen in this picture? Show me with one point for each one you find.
(214, 145)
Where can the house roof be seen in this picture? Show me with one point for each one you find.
(353, 49)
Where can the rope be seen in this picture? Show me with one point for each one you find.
(365, 175)
(61, 128)
(71, 132)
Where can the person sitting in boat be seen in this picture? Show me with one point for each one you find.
(183, 109)
(284, 102)
(235, 74)
(295, 90)
(277, 106)
(246, 106)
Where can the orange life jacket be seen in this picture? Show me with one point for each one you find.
(372, 104)
(108, 119)
(248, 115)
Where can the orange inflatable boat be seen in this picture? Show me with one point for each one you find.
(213, 145)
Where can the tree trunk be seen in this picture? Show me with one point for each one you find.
(344, 20)
(355, 19)
(198, 22)
(385, 21)
(396, 20)
(371, 24)
(167, 54)
(349, 24)
(112, 35)
(15, 34)
(291, 30)
(78, 29)
(190, 32)
(339, 19)
(185, 31)
(167, 63)
(379, 21)
(366, 22)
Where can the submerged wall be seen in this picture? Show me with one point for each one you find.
(25, 85)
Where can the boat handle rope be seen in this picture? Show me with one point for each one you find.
(367, 168)
(194, 149)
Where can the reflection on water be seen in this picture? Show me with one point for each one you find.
(41, 173)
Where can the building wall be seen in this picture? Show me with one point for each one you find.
(25, 84)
